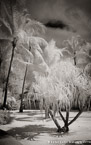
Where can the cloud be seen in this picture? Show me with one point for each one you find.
(55, 24)
(66, 15)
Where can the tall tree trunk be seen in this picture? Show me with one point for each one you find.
(75, 58)
(7, 80)
(22, 95)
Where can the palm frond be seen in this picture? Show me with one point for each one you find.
(24, 53)
(10, 12)
(51, 53)
(6, 24)
(32, 27)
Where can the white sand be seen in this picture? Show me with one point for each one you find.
(38, 131)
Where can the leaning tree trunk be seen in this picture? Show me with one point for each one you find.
(22, 95)
(7, 80)
(55, 121)
(76, 117)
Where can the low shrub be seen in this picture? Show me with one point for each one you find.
(4, 117)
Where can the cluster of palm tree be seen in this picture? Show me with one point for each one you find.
(20, 29)
(57, 83)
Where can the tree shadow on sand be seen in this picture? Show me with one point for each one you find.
(31, 132)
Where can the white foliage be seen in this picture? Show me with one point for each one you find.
(52, 54)
(65, 84)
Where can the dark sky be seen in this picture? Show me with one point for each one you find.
(67, 17)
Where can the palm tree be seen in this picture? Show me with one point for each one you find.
(6, 87)
(16, 23)
(74, 46)
(7, 18)
(34, 46)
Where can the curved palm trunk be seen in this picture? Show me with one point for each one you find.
(7, 81)
(22, 95)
